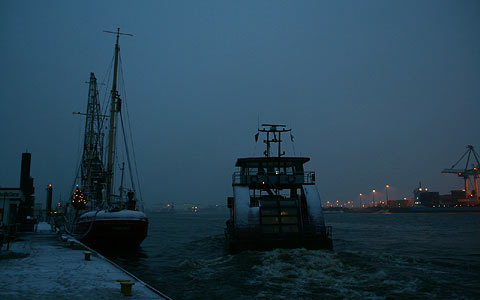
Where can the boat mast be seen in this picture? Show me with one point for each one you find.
(91, 132)
(92, 144)
(114, 108)
(274, 129)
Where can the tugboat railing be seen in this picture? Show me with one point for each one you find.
(307, 177)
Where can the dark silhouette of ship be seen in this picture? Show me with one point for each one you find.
(275, 202)
(100, 214)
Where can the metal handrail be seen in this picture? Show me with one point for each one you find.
(254, 177)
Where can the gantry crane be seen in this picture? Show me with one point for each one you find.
(474, 170)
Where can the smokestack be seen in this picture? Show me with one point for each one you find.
(25, 209)
(26, 182)
(25, 170)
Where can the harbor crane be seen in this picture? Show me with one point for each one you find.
(474, 170)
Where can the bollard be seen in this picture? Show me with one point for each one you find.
(120, 281)
(87, 255)
(126, 287)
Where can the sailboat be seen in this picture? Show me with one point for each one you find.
(99, 214)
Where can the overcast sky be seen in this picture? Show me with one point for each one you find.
(376, 92)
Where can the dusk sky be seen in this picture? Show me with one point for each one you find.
(376, 92)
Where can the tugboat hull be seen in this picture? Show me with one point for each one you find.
(277, 221)
(255, 240)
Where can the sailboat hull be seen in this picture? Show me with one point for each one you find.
(125, 228)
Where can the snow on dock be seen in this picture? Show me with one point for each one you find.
(40, 266)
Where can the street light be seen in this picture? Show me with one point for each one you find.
(386, 191)
(361, 202)
(373, 197)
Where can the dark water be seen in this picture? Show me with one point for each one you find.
(376, 256)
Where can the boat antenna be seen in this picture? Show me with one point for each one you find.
(114, 108)
(118, 33)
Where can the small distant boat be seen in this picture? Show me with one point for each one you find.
(275, 202)
(168, 208)
(96, 214)
(195, 209)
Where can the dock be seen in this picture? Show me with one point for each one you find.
(42, 265)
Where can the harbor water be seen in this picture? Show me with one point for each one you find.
(376, 256)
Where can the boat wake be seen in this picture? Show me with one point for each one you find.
(314, 274)
(307, 274)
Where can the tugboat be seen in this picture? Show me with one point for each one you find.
(98, 215)
(275, 203)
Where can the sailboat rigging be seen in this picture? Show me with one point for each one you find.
(98, 215)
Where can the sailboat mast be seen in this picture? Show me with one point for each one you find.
(115, 106)
(112, 129)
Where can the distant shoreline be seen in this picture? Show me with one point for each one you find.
(421, 209)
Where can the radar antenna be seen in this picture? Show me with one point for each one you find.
(273, 130)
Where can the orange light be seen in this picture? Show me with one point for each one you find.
(387, 186)
(374, 191)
